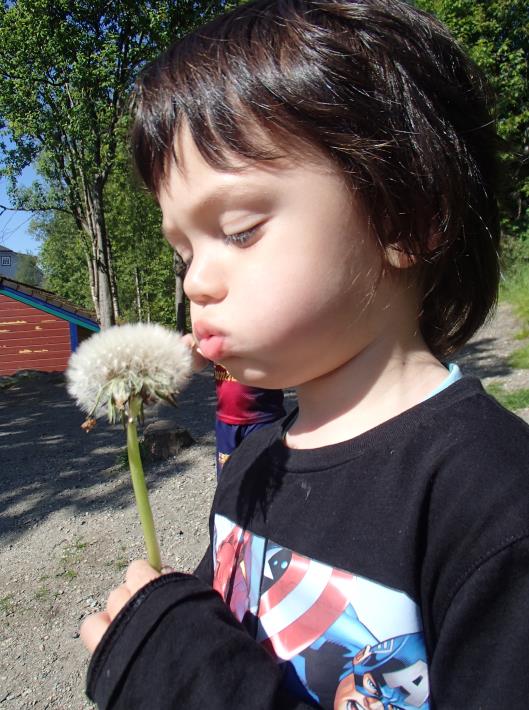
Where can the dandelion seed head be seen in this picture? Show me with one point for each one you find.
(120, 362)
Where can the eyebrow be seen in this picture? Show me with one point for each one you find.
(221, 194)
(218, 196)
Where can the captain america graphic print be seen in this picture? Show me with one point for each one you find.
(344, 642)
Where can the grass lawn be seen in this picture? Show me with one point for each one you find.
(520, 358)
(515, 290)
(511, 399)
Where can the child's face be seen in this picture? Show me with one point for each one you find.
(282, 270)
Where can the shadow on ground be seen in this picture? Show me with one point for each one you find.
(478, 358)
(47, 462)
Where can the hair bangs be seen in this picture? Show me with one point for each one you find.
(209, 81)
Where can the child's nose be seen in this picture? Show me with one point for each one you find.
(204, 281)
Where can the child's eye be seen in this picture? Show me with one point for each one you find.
(240, 239)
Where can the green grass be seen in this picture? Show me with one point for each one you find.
(515, 288)
(511, 399)
(71, 557)
(522, 334)
(520, 358)
(120, 564)
(6, 603)
(122, 458)
(42, 593)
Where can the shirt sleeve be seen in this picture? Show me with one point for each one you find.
(177, 645)
(481, 651)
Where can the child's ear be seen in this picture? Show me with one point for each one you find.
(398, 258)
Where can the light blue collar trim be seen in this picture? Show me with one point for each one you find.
(454, 374)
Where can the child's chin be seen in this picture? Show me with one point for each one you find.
(247, 375)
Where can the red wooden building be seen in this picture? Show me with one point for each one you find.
(38, 329)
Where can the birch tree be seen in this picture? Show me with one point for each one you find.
(66, 72)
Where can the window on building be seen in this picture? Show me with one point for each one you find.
(6, 261)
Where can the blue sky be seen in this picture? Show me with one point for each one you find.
(14, 225)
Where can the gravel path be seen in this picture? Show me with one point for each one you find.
(68, 524)
(68, 528)
(486, 355)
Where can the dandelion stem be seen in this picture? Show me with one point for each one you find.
(139, 485)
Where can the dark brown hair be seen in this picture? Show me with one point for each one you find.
(379, 87)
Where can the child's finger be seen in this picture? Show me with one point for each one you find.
(93, 628)
(139, 573)
(188, 340)
(167, 569)
(117, 599)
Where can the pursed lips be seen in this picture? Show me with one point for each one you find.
(211, 341)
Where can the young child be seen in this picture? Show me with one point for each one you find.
(326, 168)
(240, 410)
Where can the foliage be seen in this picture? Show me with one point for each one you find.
(515, 287)
(496, 35)
(67, 71)
(143, 259)
(63, 257)
(27, 270)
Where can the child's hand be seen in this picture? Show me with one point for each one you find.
(94, 626)
(199, 362)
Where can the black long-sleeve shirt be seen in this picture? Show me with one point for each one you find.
(394, 566)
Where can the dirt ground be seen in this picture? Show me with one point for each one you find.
(68, 528)
(68, 524)
(486, 355)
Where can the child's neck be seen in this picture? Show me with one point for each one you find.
(379, 383)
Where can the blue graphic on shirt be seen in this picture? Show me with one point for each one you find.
(344, 642)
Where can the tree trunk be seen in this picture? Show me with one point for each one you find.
(93, 285)
(94, 225)
(179, 269)
(112, 276)
(138, 293)
(106, 309)
(148, 307)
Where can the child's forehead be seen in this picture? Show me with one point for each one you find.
(193, 187)
(189, 160)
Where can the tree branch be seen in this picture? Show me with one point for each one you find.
(38, 208)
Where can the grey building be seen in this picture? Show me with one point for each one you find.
(8, 262)
(15, 265)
